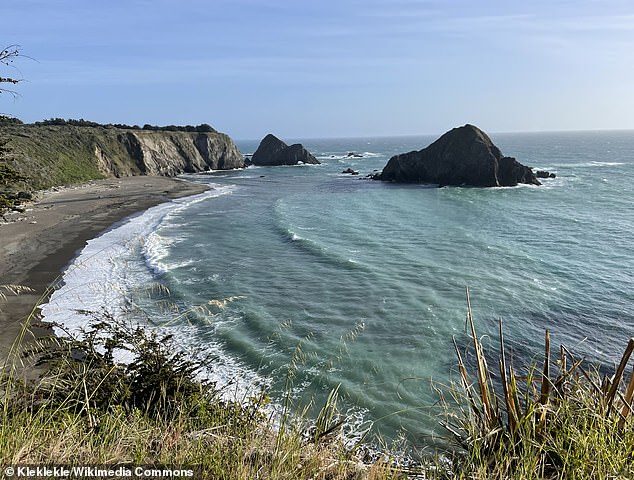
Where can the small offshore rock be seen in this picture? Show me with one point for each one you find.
(544, 174)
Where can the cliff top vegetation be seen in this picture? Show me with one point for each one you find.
(202, 128)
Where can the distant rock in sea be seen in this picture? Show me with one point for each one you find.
(463, 156)
(273, 151)
(544, 174)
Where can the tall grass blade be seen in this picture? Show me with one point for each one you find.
(481, 369)
(545, 391)
(466, 382)
(627, 407)
(327, 421)
(511, 407)
(616, 380)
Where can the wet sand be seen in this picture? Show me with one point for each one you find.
(36, 246)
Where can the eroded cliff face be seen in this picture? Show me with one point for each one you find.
(54, 155)
(172, 153)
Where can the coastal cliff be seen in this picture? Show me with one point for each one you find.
(60, 154)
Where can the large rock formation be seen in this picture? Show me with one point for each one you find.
(273, 151)
(462, 156)
(171, 153)
(57, 154)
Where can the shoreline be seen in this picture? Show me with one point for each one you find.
(40, 243)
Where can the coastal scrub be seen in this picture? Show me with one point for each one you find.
(560, 420)
(90, 409)
(10, 181)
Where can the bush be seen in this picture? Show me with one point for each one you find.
(10, 178)
(85, 374)
(89, 408)
(6, 120)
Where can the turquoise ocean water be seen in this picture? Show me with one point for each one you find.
(368, 279)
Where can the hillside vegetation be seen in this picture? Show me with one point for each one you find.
(59, 152)
(559, 420)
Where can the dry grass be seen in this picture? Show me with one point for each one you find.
(557, 420)
(572, 424)
(88, 409)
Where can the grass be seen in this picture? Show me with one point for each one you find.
(55, 155)
(90, 409)
(556, 420)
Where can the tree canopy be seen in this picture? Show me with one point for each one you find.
(202, 128)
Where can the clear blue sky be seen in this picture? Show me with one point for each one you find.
(325, 68)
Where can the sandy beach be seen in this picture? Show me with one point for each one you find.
(38, 244)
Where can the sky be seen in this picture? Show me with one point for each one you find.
(324, 68)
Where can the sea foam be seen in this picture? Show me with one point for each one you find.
(114, 264)
(111, 267)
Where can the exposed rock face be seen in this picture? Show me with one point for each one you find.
(171, 153)
(57, 154)
(273, 151)
(462, 156)
(267, 151)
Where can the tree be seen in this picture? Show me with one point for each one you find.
(9, 176)
(7, 56)
(9, 179)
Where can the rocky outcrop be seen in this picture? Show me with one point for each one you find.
(463, 156)
(272, 152)
(270, 146)
(59, 154)
(544, 174)
(171, 153)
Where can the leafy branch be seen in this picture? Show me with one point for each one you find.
(7, 57)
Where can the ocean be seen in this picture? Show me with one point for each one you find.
(302, 278)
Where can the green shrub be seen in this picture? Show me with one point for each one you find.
(85, 375)
(89, 408)
(10, 178)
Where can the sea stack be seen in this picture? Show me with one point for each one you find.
(464, 156)
(272, 151)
